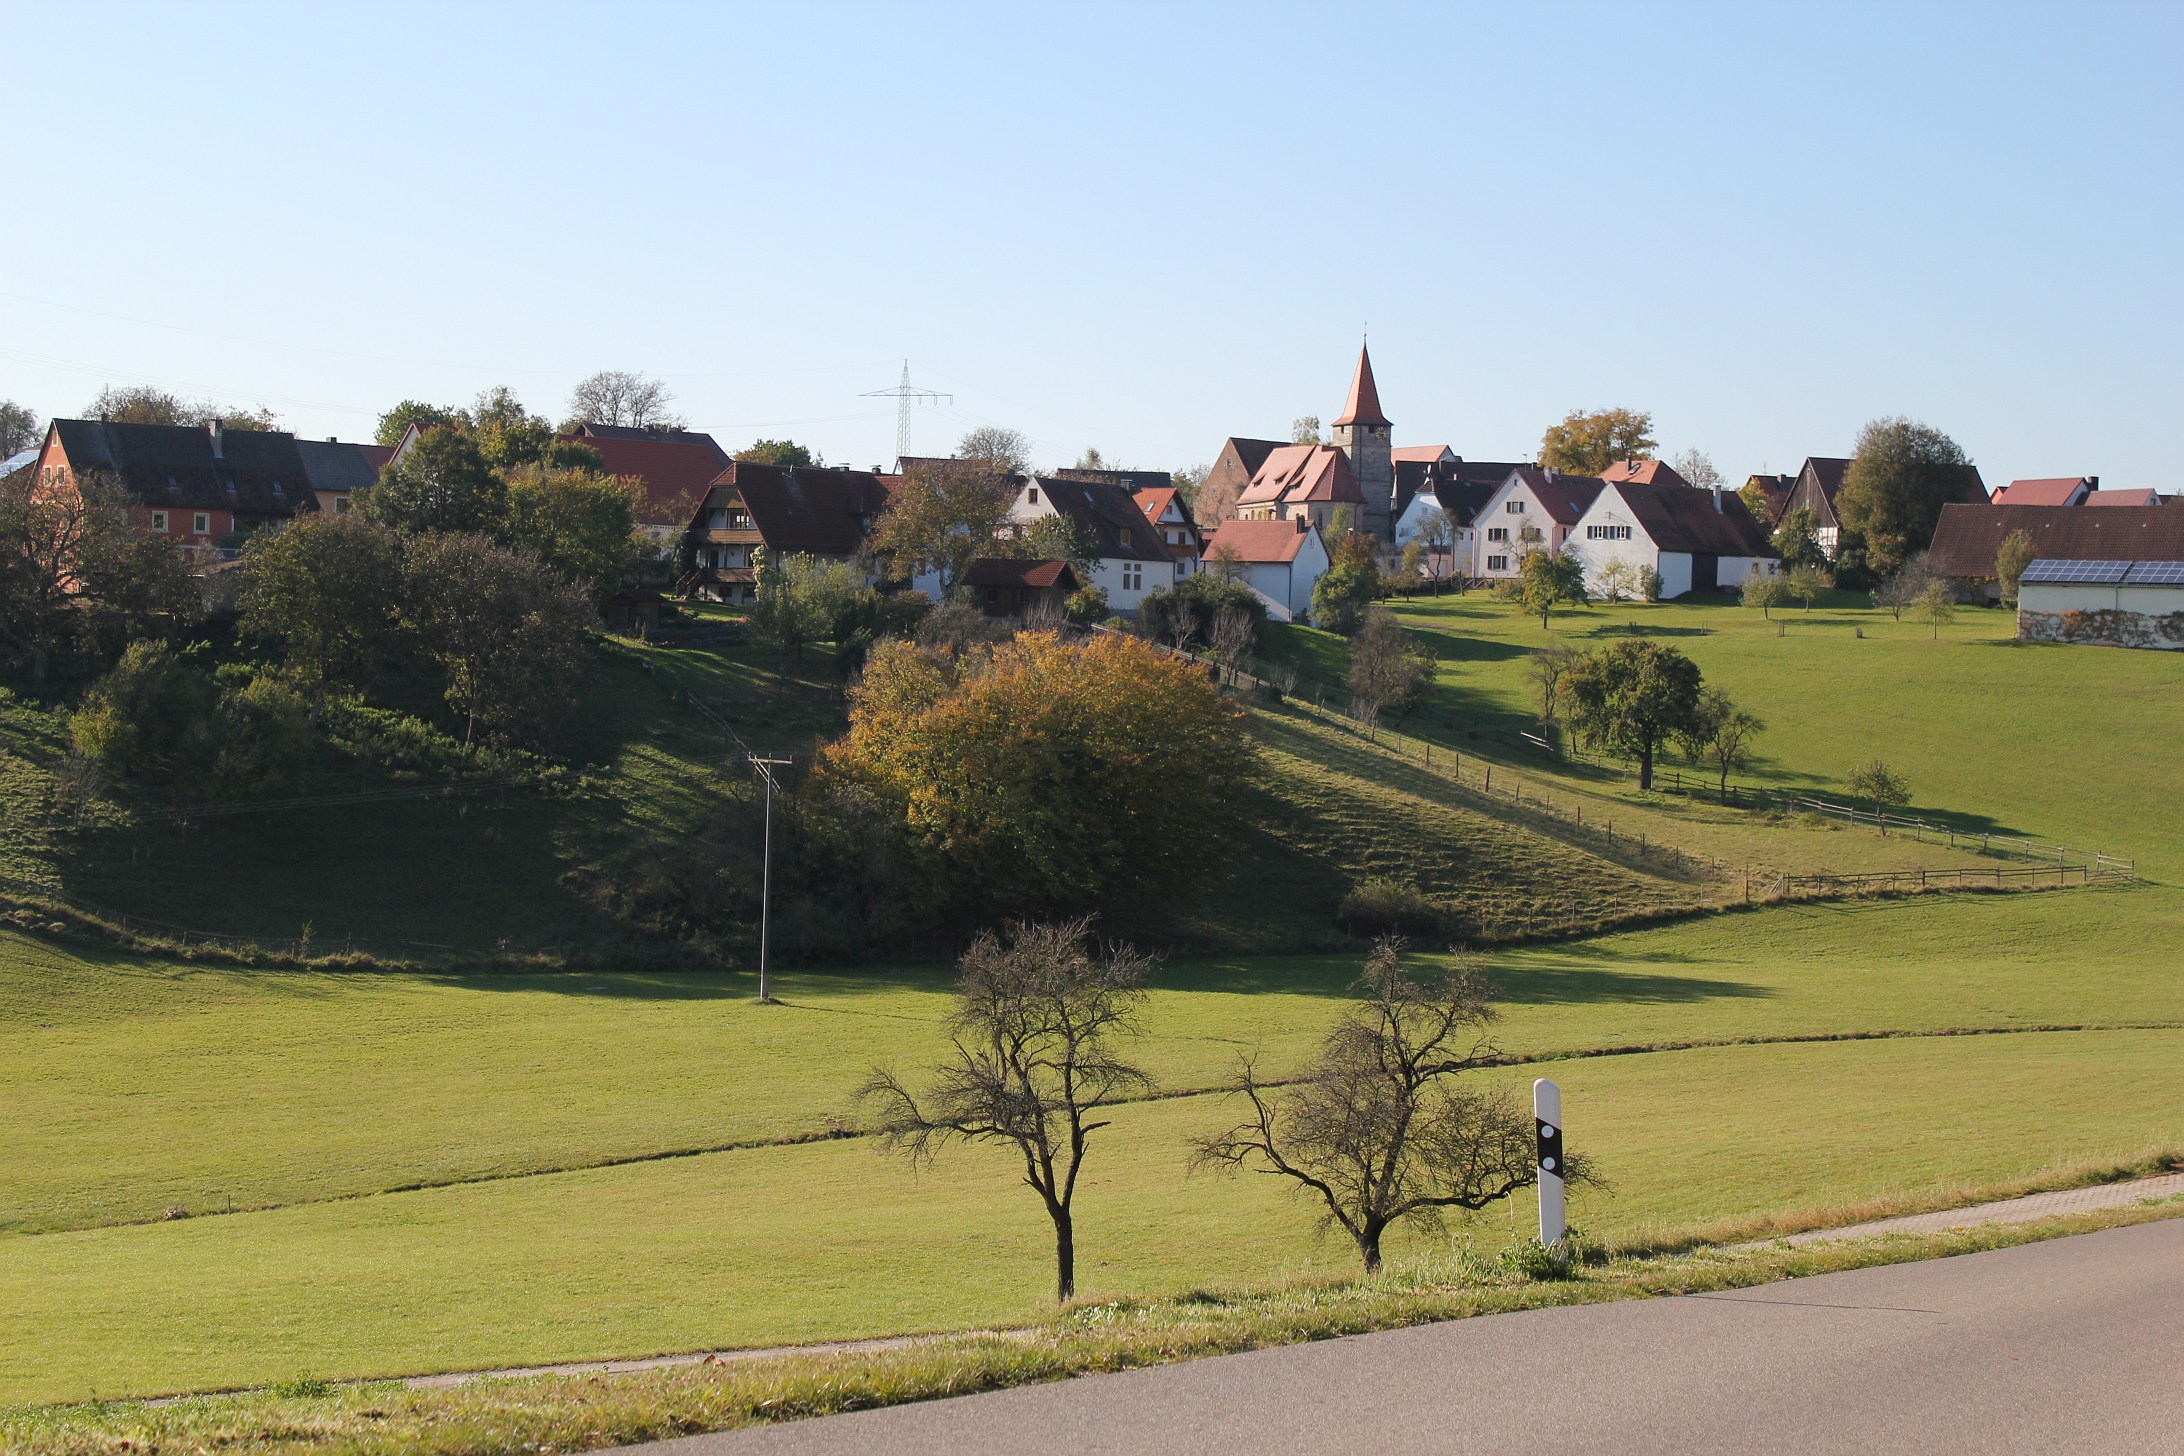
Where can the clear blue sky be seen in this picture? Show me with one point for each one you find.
(1144, 228)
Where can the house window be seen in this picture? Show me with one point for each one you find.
(1133, 575)
(277, 490)
(159, 520)
(1515, 507)
(1497, 533)
(1497, 563)
(201, 523)
(1607, 533)
(1125, 535)
(341, 505)
(1031, 495)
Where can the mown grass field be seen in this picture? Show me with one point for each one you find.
(313, 1099)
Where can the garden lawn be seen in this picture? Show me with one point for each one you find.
(835, 1240)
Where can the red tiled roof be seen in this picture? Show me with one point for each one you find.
(1425, 454)
(1645, 472)
(1968, 537)
(672, 473)
(999, 571)
(2122, 498)
(1302, 473)
(1264, 542)
(1363, 407)
(1154, 502)
(2050, 491)
(377, 455)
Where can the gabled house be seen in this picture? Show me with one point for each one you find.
(339, 469)
(2122, 498)
(1230, 474)
(2061, 490)
(1969, 537)
(1773, 492)
(1821, 482)
(1445, 490)
(1170, 515)
(1128, 557)
(789, 510)
(1533, 510)
(1698, 540)
(1007, 588)
(1279, 560)
(1130, 480)
(1302, 481)
(671, 469)
(205, 486)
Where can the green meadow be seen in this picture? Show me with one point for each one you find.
(218, 1176)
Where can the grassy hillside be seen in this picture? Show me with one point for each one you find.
(143, 1084)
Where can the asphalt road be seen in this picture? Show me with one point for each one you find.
(2070, 1345)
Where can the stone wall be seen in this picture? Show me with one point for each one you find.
(2104, 628)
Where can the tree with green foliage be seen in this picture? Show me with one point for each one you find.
(508, 632)
(1305, 430)
(1091, 459)
(442, 483)
(1053, 538)
(579, 522)
(1587, 442)
(1902, 474)
(1807, 583)
(1034, 1061)
(1719, 733)
(1377, 1127)
(1387, 671)
(1006, 766)
(1936, 605)
(77, 575)
(19, 428)
(1797, 540)
(1631, 698)
(1187, 480)
(779, 452)
(395, 423)
(1549, 579)
(1881, 786)
(941, 519)
(328, 593)
(1764, 590)
(141, 404)
(2010, 561)
(1341, 596)
(266, 741)
(805, 599)
(151, 718)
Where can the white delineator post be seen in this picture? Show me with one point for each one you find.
(1547, 1128)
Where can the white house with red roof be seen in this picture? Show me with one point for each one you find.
(1279, 560)
(1170, 515)
(2058, 490)
(1128, 557)
(1698, 540)
(1533, 510)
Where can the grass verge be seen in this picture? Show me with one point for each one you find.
(564, 1413)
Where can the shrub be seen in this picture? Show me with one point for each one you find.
(266, 741)
(1087, 605)
(1340, 597)
(150, 718)
(1385, 906)
(960, 626)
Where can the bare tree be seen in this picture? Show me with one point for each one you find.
(621, 397)
(1386, 670)
(1033, 1063)
(1544, 671)
(1234, 635)
(1181, 613)
(997, 448)
(1898, 592)
(1377, 1126)
(1697, 467)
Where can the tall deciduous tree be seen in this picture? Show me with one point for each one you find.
(779, 452)
(1720, 733)
(1039, 776)
(1038, 1016)
(1305, 430)
(19, 428)
(1381, 1127)
(395, 423)
(1387, 672)
(1902, 474)
(1587, 442)
(941, 519)
(1697, 467)
(1797, 540)
(997, 449)
(1631, 697)
(141, 404)
(579, 522)
(76, 574)
(1549, 579)
(328, 590)
(442, 483)
(622, 397)
(506, 629)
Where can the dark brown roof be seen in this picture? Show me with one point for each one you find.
(806, 508)
(594, 432)
(1461, 500)
(1968, 537)
(1363, 406)
(1684, 518)
(1251, 454)
(672, 468)
(1775, 491)
(1130, 480)
(341, 465)
(1109, 514)
(1564, 497)
(1828, 472)
(257, 472)
(999, 571)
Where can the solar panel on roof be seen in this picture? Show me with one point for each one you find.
(2157, 573)
(2085, 572)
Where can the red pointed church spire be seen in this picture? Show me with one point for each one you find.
(1364, 403)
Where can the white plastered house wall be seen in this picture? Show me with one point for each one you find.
(1287, 585)
(1461, 539)
(1126, 581)
(1499, 542)
(1611, 531)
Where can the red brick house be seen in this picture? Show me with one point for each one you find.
(205, 486)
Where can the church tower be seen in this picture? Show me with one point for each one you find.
(1362, 433)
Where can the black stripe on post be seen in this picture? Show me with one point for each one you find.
(1550, 1147)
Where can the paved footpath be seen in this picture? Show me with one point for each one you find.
(2029, 1209)
(2074, 1344)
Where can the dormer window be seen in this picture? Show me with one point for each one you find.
(1125, 534)
(174, 485)
(277, 489)
(231, 485)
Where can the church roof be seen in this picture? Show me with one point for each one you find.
(1363, 407)
(1297, 473)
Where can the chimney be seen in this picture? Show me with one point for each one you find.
(1304, 524)
(1717, 498)
(218, 428)
(2092, 482)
